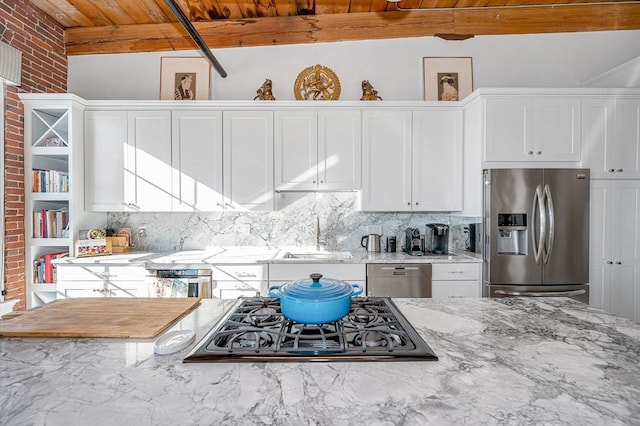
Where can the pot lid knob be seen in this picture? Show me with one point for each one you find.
(316, 279)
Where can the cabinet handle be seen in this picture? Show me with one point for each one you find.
(611, 170)
(530, 152)
(417, 203)
(321, 181)
(539, 153)
(313, 181)
(618, 262)
(619, 170)
(609, 262)
(230, 205)
(219, 205)
(408, 204)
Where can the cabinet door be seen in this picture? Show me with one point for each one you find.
(197, 160)
(339, 150)
(437, 160)
(296, 150)
(148, 161)
(386, 161)
(598, 136)
(627, 134)
(600, 244)
(556, 128)
(508, 129)
(248, 160)
(105, 147)
(625, 297)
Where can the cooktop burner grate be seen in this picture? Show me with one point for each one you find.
(254, 329)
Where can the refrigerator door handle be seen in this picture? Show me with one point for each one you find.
(541, 293)
(548, 201)
(538, 204)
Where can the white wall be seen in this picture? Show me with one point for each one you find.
(394, 66)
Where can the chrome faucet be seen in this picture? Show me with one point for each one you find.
(319, 243)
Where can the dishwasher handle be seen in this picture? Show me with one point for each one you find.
(399, 270)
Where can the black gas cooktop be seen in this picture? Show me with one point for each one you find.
(254, 329)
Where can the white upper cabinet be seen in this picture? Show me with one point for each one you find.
(386, 161)
(105, 150)
(412, 160)
(197, 160)
(128, 160)
(317, 150)
(437, 160)
(611, 137)
(248, 160)
(532, 128)
(147, 163)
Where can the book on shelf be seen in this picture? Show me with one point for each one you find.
(44, 270)
(50, 181)
(50, 223)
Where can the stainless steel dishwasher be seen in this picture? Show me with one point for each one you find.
(399, 280)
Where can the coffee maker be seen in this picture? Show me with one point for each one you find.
(412, 244)
(437, 238)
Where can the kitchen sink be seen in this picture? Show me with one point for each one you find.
(322, 255)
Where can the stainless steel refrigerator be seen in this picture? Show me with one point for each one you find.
(536, 240)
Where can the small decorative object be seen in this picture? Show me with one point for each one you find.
(447, 79)
(368, 92)
(264, 93)
(184, 78)
(317, 83)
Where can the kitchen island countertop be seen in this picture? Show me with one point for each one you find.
(501, 361)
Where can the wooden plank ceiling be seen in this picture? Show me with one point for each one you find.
(124, 26)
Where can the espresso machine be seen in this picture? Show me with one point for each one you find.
(437, 238)
(412, 242)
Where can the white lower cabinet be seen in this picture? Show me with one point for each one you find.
(233, 281)
(455, 280)
(614, 258)
(102, 281)
(352, 273)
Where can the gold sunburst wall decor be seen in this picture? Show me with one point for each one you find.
(317, 83)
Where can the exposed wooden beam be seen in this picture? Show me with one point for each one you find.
(352, 26)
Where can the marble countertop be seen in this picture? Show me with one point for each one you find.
(193, 259)
(508, 361)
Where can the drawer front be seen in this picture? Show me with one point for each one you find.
(239, 272)
(446, 289)
(234, 289)
(338, 271)
(100, 273)
(455, 271)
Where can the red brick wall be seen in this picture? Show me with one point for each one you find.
(44, 69)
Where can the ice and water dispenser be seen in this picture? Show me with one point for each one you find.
(512, 234)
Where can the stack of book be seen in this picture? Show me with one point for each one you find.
(50, 181)
(44, 271)
(50, 223)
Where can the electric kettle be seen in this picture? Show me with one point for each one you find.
(371, 242)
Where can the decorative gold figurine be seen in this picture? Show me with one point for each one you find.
(264, 93)
(317, 83)
(368, 92)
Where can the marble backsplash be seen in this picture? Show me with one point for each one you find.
(293, 224)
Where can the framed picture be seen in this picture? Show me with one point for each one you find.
(184, 78)
(447, 79)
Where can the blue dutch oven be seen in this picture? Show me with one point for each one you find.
(315, 301)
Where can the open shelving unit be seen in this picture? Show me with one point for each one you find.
(53, 143)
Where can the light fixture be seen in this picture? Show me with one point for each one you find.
(10, 65)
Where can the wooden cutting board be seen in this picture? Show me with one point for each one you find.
(100, 317)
